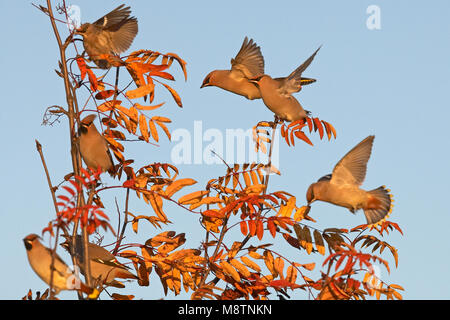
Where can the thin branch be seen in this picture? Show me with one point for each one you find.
(125, 222)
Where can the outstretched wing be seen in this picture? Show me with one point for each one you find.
(294, 82)
(249, 60)
(114, 17)
(351, 169)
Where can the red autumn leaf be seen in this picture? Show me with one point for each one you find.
(129, 183)
(69, 190)
(252, 227)
(259, 229)
(292, 138)
(301, 135)
(82, 66)
(318, 126)
(105, 94)
(92, 80)
(282, 283)
(212, 214)
(163, 75)
(244, 228)
(64, 198)
(310, 124)
(291, 240)
(272, 228)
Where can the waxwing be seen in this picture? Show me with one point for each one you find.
(277, 93)
(103, 264)
(248, 64)
(94, 147)
(342, 187)
(40, 259)
(111, 34)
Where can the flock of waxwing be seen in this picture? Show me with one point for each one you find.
(113, 34)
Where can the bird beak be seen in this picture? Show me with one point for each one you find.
(205, 82)
(255, 80)
(27, 243)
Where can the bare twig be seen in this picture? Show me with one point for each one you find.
(70, 98)
(124, 225)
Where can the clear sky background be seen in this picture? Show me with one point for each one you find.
(393, 82)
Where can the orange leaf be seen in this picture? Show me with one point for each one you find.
(161, 119)
(153, 130)
(143, 127)
(146, 108)
(244, 228)
(175, 95)
(163, 75)
(108, 105)
(117, 296)
(163, 126)
(330, 129)
(181, 62)
(212, 214)
(140, 91)
(252, 227)
(259, 229)
(272, 228)
(82, 66)
(92, 80)
(178, 185)
(283, 284)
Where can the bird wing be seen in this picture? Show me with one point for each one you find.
(123, 33)
(249, 60)
(60, 266)
(293, 82)
(101, 255)
(110, 19)
(351, 169)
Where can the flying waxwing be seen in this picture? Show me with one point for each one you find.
(104, 265)
(248, 64)
(277, 93)
(111, 34)
(93, 146)
(342, 187)
(40, 259)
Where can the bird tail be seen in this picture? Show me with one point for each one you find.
(379, 205)
(92, 293)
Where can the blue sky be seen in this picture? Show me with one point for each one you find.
(391, 82)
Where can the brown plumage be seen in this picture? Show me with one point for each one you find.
(94, 147)
(40, 259)
(111, 34)
(248, 64)
(277, 93)
(342, 187)
(104, 266)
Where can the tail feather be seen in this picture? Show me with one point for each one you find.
(378, 206)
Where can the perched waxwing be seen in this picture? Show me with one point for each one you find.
(93, 146)
(342, 187)
(40, 259)
(103, 264)
(277, 93)
(111, 34)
